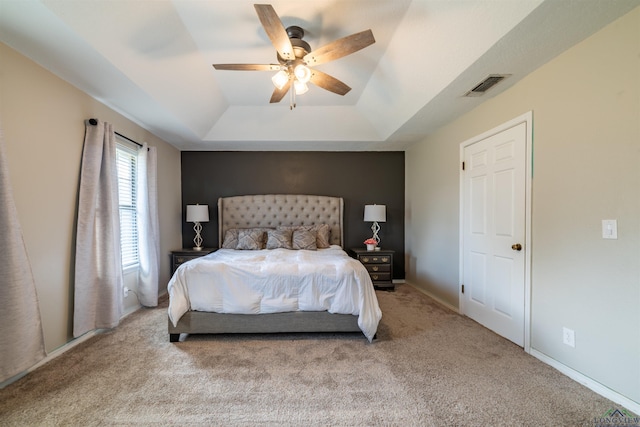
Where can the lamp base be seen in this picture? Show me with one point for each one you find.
(375, 227)
(198, 239)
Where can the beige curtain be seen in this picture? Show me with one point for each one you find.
(22, 340)
(148, 228)
(98, 268)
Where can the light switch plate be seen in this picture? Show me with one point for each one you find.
(609, 229)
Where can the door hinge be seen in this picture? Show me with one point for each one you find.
(462, 165)
(463, 289)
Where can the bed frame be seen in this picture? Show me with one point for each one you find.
(272, 210)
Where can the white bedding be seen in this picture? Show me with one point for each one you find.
(276, 280)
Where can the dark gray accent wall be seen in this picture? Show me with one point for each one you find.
(360, 178)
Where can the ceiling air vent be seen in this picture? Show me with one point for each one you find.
(486, 84)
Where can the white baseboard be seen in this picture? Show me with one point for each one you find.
(437, 299)
(588, 382)
(50, 356)
(63, 349)
(130, 310)
(591, 384)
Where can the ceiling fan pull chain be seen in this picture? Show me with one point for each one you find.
(292, 97)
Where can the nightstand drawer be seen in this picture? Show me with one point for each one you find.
(378, 268)
(380, 277)
(374, 259)
(181, 259)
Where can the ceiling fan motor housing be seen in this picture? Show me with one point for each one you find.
(300, 47)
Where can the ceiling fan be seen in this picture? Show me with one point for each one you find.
(295, 57)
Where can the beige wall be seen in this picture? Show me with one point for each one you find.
(586, 168)
(42, 118)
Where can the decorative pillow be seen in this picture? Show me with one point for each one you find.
(304, 239)
(230, 239)
(251, 239)
(279, 239)
(321, 231)
(323, 235)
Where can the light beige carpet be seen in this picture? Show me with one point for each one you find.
(428, 367)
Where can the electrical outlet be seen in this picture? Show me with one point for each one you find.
(126, 292)
(569, 337)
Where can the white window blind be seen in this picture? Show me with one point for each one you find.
(126, 160)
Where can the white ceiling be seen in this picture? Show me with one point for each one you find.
(151, 61)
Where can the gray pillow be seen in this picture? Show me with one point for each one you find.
(323, 235)
(251, 239)
(279, 239)
(321, 231)
(304, 239)
(230, 239)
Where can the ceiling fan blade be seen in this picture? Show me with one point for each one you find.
(278, 94)
(339, 48)
(325, 81)
(275, 30)
(247, 67)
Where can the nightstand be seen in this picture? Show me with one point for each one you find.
(181, 256)
(379, 264)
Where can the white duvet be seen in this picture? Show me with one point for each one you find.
(275, 280)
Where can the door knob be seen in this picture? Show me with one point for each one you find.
(516, 247)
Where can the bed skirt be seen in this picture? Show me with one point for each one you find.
(199, 322)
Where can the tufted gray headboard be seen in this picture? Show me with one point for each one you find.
(272, 210)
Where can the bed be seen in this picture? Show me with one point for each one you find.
(243, 288)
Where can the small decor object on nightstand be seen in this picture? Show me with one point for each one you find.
(197, 214)
(371, 244)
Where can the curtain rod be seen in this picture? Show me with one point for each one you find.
(95, 122)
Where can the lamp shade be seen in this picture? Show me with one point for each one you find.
(197, 213)
(375, 213)
(300, 88)
(302, 73)
(279, 79)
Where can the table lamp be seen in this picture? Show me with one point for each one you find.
(197, 214)
(375, 214)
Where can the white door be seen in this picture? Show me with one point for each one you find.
(493, 227)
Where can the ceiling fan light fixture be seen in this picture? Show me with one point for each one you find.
(302, 73)
(293, 55)
(280, 79)
(300, 87)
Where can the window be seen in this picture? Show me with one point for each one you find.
(127, 164)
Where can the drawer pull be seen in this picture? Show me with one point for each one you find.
(365, 259)
(375, 268)
(385, 259)
(180, 259)
(374, 276)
